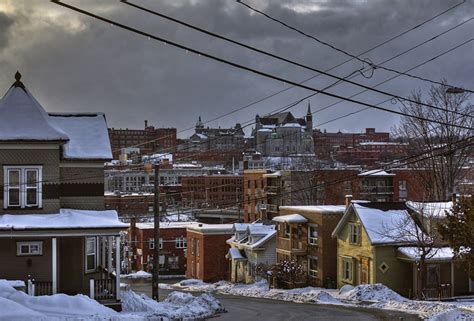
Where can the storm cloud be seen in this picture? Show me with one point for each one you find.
(75, 63)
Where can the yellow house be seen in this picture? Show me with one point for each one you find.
(377, 242)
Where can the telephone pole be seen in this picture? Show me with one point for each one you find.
(156, 234)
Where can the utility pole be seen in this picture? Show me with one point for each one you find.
(156, 234)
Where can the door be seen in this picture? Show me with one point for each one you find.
(364, 270)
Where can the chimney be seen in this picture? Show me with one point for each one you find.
(348, 201)
(146, 123)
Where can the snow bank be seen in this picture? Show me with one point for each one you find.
(178, 305)
(372, 292)
(137, 275)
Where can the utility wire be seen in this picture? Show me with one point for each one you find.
(269, 54)
(350, 54)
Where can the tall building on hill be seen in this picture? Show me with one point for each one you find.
(284, 135)
(149, 139)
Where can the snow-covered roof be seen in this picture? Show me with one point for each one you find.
(242, 227)
(291, 218)
(66, 219)
(435, 254)
(270, 175)
(235, 254)
(382, 143)
(88, 135)
(292, 125)
(323, 209)
(376, 172)
(165, 225)
(23, 118)
(260, 229)
(270, 233)
(212, 228)
(431, 209)
(267, 130)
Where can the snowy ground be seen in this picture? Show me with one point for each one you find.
(17, 305)
(369, 295)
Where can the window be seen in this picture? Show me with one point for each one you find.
(287, 230)
(91, 254)
(173, 262)
(347, 268)
(22, 186)
(354, 236)
(151, 243)
(313, 234)
(29, 248)
(312, 266)
(180, 242)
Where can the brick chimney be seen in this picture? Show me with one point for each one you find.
(348, 201)
(146, 123)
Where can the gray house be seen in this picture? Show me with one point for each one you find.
(54, 232)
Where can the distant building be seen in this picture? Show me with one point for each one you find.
(368, 153)
(149, 139)
(284, 135)
(325, 143)
(207, 250)
(254, 193)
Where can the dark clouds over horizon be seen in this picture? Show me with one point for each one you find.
(74, 63)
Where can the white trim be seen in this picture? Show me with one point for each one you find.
(54, 265)
(29, 243)
(22, 186)
(86, 239)
(109, 253)
(311, 272)
(117, 267)
(313, 240)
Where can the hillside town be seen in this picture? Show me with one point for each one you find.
(119, 203)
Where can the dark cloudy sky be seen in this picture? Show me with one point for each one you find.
(74, 63)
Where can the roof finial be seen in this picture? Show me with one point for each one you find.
(18, 82)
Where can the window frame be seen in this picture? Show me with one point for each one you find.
(29, 244)
(349, 263)
(86, 254)
(311, 272)
(353, 228)
(311, 239)
(22, 186)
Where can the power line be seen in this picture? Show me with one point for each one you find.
(213, 34)
(239, 66)
(347, 53)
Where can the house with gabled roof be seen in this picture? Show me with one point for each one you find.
(54, 232)
(251, 245)
(378, 242)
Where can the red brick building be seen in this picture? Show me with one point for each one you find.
(207, 250)
(254, 191)
(212, 190)
(149, 139)
(325, 142)
(173, 244)
(368, 153)
(129, 204)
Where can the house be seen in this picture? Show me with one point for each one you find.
(53, 227)
(378, 242)
(207, 250)
(250, 246)
(304, 235)
(173, 244)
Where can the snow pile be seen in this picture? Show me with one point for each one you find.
(137, 275)
(178, 305)
(372, 292)
(17, 305)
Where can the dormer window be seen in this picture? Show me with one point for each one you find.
(22, 186)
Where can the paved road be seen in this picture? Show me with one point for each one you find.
(252, 309)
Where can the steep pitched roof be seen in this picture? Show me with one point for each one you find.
(22, 118)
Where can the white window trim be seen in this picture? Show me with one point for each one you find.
(349, 260)
(312, 273)
(22, 186)
(86, 255)
(312, 240)
(151, 243)
(29, 243)
(355, 229)
(180, 242)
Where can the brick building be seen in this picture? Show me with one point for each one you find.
(129, 204)
(207, 250)
(212, 190)
(149, 139)
(325, 143)
(254, 191)
(368, 153)
(304, 235)
(173, 244)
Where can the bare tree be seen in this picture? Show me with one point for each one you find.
(438, 173)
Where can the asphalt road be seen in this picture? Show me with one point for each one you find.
(253, 309)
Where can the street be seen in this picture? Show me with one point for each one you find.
(252, 309)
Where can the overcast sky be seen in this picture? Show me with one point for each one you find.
(73, 63)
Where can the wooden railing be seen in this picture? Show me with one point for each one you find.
(293, 245)
(103, 289)
(35, 288)
(444, 291)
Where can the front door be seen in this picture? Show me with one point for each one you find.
(364, 270)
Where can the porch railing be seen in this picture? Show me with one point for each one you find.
(443, 291)
(35, 288)
(103, 289)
